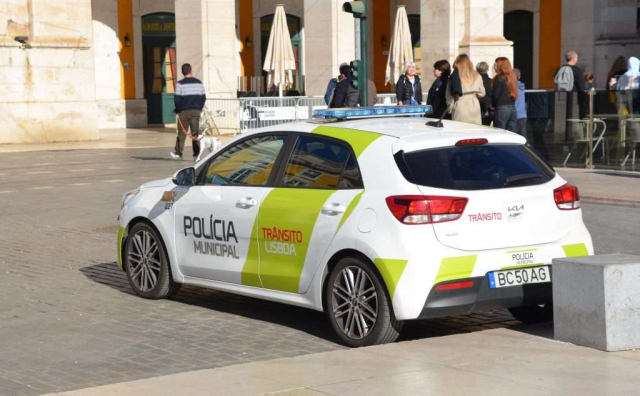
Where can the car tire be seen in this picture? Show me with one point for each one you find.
(362, 315)
(147, 265)
(533, 314)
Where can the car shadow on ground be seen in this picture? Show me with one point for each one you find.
(309, 321)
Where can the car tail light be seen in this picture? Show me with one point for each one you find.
(471, 142)
(567, 197)
(455, 285)
(420, 209)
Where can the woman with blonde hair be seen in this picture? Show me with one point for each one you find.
(504, 92)
(464, 90)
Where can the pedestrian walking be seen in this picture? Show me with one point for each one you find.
(485, 102)
(570, 78)
(345, 95)
(437, 96)
(189, 101)
(521, 107)
(618, 68)
(331, 86)
(504, 92)
(464, 89)
(408, 87)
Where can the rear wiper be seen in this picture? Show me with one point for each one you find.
(519, 178)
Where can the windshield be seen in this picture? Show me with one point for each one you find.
(477, 167)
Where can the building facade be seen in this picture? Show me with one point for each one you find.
(100, 64)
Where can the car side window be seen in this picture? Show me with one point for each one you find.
(321, 163)
(351, 177)
(248, 163)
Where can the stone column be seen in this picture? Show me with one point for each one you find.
(328, 42)
(579, 33)
(48, 90)
(207, 39)
(453, 27)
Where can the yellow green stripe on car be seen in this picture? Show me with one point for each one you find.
(120, 236)
(277, 271)
(350, 209)
(358, 140)
(452, 268)
(391, 271)
(575, 250)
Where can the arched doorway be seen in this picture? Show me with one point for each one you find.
(518, 27)
(293, 23)
(159, 63)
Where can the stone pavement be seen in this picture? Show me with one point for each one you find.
(492, 362)
(605, 186)
(69, 320)
(68, 317)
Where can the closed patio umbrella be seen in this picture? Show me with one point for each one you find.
(279, 60)
(401, 51)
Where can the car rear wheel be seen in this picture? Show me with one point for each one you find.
(147, 265)
(358, 306)
(533, 314)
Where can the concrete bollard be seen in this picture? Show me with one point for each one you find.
(596, 301)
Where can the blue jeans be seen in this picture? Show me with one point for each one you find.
(505, 118)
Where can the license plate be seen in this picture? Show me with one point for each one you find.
(517, 277)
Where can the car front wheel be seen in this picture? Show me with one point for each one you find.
(147, 265)
(358, 306)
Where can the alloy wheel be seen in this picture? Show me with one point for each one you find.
(354, 302)
(144, 261)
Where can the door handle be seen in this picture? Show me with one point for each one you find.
(246, 203)
(333, 209)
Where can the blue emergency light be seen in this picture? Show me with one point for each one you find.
(375, 111)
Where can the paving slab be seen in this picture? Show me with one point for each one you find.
(605, 186)
(69, 319)
(525, 365)
(109, 139)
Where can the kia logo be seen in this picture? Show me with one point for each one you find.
(515, 208)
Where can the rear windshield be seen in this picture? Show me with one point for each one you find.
(482, 167)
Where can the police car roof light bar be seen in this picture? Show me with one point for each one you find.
(371, 112)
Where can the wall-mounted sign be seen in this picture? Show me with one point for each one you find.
(159, 25)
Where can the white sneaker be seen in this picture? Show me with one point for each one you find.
(175, 156)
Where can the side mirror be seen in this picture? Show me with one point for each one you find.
(185, 177)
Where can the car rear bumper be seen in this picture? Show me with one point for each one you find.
(480, 297)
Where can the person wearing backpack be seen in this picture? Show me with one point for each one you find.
(345, 95)
(331, 86)
(570, 78)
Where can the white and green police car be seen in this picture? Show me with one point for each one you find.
(373, 220)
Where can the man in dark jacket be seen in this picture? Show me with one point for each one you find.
(578, 82)
(578, 85)
(331, 86)
(189, 101)
(485, 101)
(437, 93)
(345, 95)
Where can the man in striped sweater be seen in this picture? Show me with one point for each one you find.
(189, 101)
